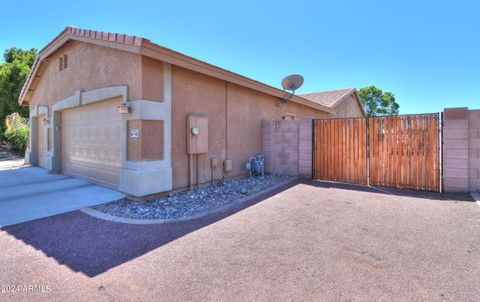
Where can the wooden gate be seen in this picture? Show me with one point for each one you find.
(396, 151)
(405, 151)
(340, 150)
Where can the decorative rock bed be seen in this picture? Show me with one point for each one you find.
(188, 203)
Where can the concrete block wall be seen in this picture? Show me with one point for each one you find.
(285, 151)
(474, 150)
(305, 156)
(461, 150)
(287, 146)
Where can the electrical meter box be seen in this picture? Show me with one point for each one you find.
(197, 134)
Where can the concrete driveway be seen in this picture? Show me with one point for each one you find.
(31, 193)
(309, 242)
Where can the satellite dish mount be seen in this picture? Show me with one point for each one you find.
(291, 83)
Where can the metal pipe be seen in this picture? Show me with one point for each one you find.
(190, 170)
(196, 170)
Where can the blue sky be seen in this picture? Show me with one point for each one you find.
(426, 52)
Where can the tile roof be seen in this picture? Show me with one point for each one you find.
(106, 36)
(328, 98)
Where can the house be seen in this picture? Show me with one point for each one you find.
(126, 113)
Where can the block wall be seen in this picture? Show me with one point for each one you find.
(287, 146)
(474, 150)
(461, 150)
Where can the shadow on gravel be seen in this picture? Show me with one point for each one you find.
(391, 191)
(92, 246)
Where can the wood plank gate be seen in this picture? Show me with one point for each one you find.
(341, 150)
(396, 151)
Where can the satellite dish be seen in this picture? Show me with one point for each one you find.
(292, 82)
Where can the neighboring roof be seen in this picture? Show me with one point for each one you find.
(144, 47)
(333, 98)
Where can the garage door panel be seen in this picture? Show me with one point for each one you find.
(91, 142)
(101, 174)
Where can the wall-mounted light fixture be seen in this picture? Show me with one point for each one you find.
(123, 109)
(46, 121)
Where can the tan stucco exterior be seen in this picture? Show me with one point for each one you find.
(89, 67)
(161, 96)
(41, 146)
(349, 108)
(234, 115)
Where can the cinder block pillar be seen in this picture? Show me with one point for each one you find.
(455, 150)
(305, 148)
(474, 150)
(267, 144)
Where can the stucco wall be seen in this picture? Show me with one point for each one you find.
(349, 108)
(234, 112)
(235, 118)
(148, 145)
(152, 79)
(89, 67)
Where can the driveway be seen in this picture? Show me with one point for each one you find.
(307, 242)
(31, 193)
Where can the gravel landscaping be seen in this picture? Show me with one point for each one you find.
(188, 203)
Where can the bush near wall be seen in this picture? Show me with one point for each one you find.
(16, 133)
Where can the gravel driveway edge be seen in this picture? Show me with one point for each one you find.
(101, 215)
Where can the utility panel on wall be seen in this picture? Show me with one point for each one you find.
(197, 134)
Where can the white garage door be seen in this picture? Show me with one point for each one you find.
(91, 143)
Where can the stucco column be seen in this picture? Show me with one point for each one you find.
(455, 150)
(56, 141)
(474, 150)
(31, 155)
(147, 177)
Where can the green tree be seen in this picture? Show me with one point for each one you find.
(16, 132)
(376, 102)
(13, 73)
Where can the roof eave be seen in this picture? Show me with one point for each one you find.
(145, 47)
(167, 55)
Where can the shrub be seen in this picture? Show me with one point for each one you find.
(17, 131)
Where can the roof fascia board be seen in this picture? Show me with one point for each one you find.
(166, 55)
(119, 46)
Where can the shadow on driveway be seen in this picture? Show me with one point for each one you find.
(92, 246)
(391, 191)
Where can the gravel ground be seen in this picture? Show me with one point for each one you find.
(187, 203)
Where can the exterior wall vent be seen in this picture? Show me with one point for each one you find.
(63, 62)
